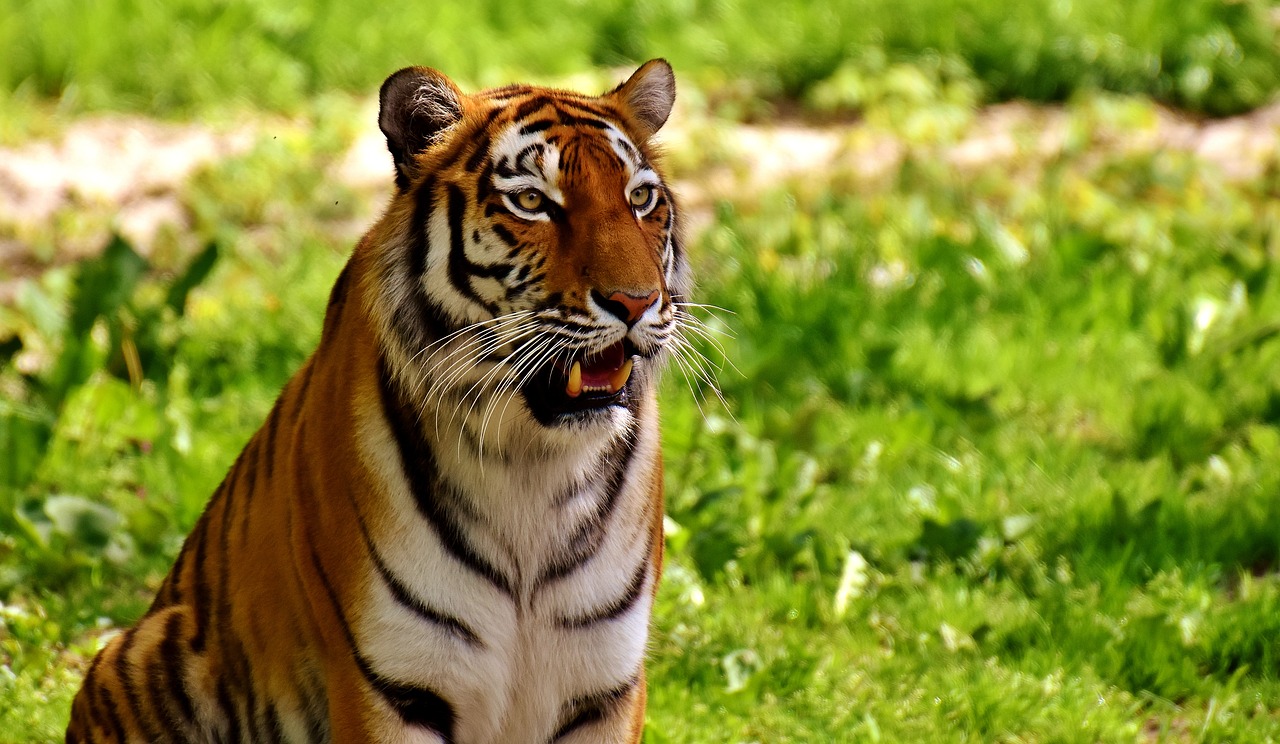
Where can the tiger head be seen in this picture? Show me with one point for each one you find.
(530, 267)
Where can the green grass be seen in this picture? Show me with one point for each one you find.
(997, 454)
(996, 461)
(189, 55)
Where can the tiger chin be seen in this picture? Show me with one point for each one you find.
(449, 527)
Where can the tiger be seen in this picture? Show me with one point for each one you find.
(449, 528)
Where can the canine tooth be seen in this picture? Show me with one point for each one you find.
(620, 377)
(574, 388)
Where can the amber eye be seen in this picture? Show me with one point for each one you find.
(640, 196)
(530, 200)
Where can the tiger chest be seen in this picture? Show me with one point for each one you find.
(523, 595)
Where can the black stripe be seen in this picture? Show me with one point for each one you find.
(404, 597)
(272, 425)
(402, 594)
(267, 723)
(616, 608)
(240, 677)
(228, 711)
(300, 396)
(173, 657)
(535, 147)
(101, 694)
(586, 540)
(477, 155)
(503, 234)
(419, 468)
(337, 301)
(460, 267)
(588, 709)
(423, 206)
(200, 605)
(134, 699)
(254, 452)
(484, 186)
(170, 593)
(316, 706)
(483, 141)
(220, 619)
(418, 319)
(509, 91)
(537, 126)
(569, 120)
(530, 106)
(416, 706)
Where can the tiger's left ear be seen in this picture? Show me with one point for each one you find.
(647, 96)
(416, 106)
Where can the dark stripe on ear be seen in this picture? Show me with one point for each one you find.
(416, 706)
(616, 608)
(588, 709)
(419, 469)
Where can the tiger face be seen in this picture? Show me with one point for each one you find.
(538, 278)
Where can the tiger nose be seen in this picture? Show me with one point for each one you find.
(627, 307)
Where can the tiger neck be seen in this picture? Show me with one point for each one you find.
(522, 502)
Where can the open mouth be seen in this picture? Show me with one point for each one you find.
(587, 382)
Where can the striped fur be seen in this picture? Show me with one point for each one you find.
(433, 537)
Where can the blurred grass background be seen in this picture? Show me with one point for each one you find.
(997, 457)
(175, 57)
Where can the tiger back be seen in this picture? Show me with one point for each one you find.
(449, 527)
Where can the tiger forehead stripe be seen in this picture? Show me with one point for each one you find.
(526, 160)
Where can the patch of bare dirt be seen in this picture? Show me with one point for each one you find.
(134, 169)
(131, 168)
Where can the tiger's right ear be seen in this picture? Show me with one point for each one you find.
(415, 106)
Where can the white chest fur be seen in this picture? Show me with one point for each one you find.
(552, 588)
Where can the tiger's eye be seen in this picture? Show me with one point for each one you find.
(640, 196)
(529, 199)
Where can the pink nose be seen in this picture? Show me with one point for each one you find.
(627, 307)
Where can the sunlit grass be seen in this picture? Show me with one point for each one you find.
(184, 56)
(996, 460)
